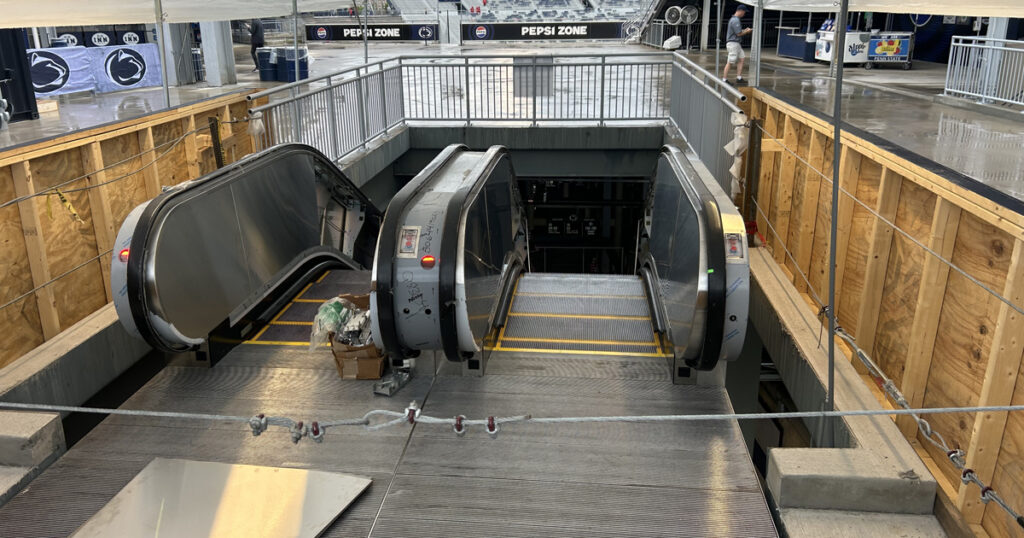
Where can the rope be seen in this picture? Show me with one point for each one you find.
(893, 225)
(55, 279)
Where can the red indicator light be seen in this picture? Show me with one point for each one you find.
(428, 261)
(123, 255)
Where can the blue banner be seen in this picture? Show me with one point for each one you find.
(101, 69)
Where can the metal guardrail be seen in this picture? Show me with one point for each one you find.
(701, 108)
(987, 69)
(341, 112)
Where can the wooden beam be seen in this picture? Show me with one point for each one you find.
(878, 260)
(225, 134)
(849, 176)
(765, 183)
(151, 170)
(1004, 362)
(809, 207)
(21, 174)
(941, 239)
(770, 145)
(784, 192)
(102, 219)
(191, 148)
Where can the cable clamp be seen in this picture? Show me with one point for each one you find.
(492, 427)
(258, 424)
(316, 433)
(412, 412)
(298, 431)
(967, 475)
(460, 428)
(986, 494)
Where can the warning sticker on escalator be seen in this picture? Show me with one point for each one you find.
(408, 242)
(734, 246)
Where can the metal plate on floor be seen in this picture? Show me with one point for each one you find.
(172, 497)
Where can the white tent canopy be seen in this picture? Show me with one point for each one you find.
(978, 8)
(29, 13)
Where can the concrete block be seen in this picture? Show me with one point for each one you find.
(13, 480)
(845, 479)
(72, 367)
(29, 439)
(816, 523)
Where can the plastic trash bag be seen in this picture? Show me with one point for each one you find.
(330, 318)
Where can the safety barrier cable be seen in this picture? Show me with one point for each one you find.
(893, 225)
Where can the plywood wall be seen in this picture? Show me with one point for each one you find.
(940, 335)
(64, 253)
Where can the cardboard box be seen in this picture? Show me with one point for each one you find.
(357, 362)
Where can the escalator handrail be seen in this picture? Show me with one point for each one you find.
(387, 243)
(156, 210)
(711, 224)
(453, 241)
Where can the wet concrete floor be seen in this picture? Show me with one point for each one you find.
(899, 106)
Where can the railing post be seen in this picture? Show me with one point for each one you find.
(953, 60)
(401, 89)
(466, 93)
(601, 122)
(362, 108)
(296, 129)
(383, 98)
(335, 138)
(534, 124)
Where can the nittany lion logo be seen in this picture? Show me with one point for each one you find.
(426, 32)
(49, 71)
(125, 67)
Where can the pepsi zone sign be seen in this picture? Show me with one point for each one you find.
(374, 32)
(539, 31)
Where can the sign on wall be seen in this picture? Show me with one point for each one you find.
(101, 69)
(538, 31)
(374, 32)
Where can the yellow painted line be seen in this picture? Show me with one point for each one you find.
(515, 289)
(309, 323)
(304, 290)
(572, 341)
(277, 343)
(322, 277)
(308, 300)
(577, 352)
(578, 296)
(577, 316)
(278, 315)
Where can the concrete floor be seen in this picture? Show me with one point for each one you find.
(899, 106)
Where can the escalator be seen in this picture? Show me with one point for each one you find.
(451, 273)
(208, 263)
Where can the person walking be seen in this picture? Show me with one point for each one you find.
(256, 38)
(735, 31)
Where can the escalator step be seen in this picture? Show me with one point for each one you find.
(619, 329)
(568, 304)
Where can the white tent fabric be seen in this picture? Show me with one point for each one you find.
(31, 13)
(963, 8)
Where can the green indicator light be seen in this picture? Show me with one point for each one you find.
(711, 271)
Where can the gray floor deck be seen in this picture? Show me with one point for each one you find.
(533, 480)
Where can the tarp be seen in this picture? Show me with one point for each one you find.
(963, 8)
(32, 13)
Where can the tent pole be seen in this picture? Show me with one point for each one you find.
(295, 37)
(837, 111)
(161, 37)
(718, 39)
(756, 42)
(366, 39)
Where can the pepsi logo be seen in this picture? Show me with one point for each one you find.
(480, 32)
(321, 32)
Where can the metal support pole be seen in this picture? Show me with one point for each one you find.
(837, 111)
(362, 108)
(218, 148)
(603, 70)
(718, 39)
(466, 92)
(366, 38)
(534, 124)
(757, 42)
(295, 36)
(161, 36)
(335, 134)
(401, 88)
